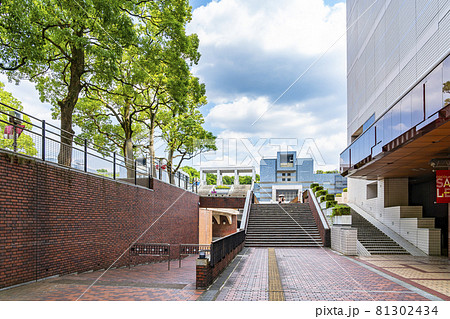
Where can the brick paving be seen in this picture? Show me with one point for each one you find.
(312, 274)
(431, 274)
(152, 282)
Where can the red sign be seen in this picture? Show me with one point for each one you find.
(443, 186)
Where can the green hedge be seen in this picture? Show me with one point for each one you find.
(313, 185)
(222, 187)
(322, 198)
(345, 189)
(331, 203)
(340, 210)
(329, 197)
(321, 192)
(338, 195)
(317, 188)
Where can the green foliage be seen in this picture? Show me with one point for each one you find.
(338, 195)
(243, 180)
(321, 192)
(329, 197)
(192, 172)
(25, 143)
(317, 188)
(211, 179)
(222, 187)
(326, 172)
(331, 203)
(344, 190)
(313, 185)
(322, 198)
(340, 210)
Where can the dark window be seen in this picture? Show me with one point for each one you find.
(288, 179)
(283, 174)
(283, 179)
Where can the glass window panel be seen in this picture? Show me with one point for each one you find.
(417, 115)
(446, 81)
(433, 91)
(405, 113)
(379, 130)
(396, 121)
(387, 128)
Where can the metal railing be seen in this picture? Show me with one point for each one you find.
(192, 249)
(223, 246)
(151, 249)
(247, 207)
(319, 217)
(25, 134)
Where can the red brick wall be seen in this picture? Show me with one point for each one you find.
(226, 229)
(56, 221)
(222, 202)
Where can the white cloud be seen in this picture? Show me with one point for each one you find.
(306, 27)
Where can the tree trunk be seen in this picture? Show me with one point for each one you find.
(169, 167)
(128, 144)
(151, 147)
(129, 158)
(67, 105)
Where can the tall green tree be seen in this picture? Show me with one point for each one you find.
(64, 45)
(152, 74)
(24, 143)
(184, 135)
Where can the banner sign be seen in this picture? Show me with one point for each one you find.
(443, 186)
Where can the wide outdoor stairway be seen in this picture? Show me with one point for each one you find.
(373, 239)
(285, 225)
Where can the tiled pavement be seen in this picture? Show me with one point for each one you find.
(144, 282)
(314, 274)
(431, 274)
(306, 274)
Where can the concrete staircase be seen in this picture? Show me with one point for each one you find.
(373, 239)
(291, 225)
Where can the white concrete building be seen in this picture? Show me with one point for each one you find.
(398, 92)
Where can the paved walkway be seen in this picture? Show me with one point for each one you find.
(152, 282)
(320, 274)
(260, 274)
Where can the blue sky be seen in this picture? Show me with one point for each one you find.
(252, 51)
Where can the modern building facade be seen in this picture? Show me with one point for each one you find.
(288, 175)
(398, 128)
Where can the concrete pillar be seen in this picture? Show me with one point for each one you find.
(219, 178)
(253, 174)
(236, 177)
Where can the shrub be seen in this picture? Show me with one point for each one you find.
(321, 192)
(338, 195)
(313, 185)
(340, 210)
(322, 198)
(222, 187)
(331, 203)
(329, 197)
(317, 188)
(345, 189)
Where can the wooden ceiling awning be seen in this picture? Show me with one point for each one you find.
(410, 155)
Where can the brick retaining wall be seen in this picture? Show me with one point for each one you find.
(56, 221)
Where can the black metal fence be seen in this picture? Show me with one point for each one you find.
(223, 246)
(192, 249)
(25, 134)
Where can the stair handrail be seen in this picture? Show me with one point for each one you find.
(324, 228)
(247, 206)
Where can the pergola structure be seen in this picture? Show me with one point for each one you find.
(226, 170)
